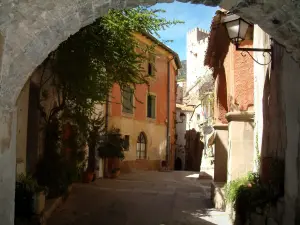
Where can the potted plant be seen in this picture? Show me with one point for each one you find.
(115, 172)
(112, 149)
(39, 199)
(88, 176)
(30, 197)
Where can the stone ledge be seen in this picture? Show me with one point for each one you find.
(240, 116)
(218, 195)
(52, 206)
(220, 126)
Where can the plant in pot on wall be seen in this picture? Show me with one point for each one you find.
(29, 197)
(112, 149)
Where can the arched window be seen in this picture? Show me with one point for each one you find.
(141, 146)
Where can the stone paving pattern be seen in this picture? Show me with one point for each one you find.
(144, 198)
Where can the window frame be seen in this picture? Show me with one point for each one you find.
(155, 105)
(151, 61)
(141, 137)
(122, 102)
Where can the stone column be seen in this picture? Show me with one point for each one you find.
(221, 152)
(240, 144)
(8, 126)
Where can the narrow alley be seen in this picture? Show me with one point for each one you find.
(148, 198)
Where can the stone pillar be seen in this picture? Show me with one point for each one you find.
(221, 152)
(8, 124)
(240, 144)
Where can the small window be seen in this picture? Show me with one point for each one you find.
(150, 72)
(126, 142)
(198, 116)
(151, 67)
(127, 100)
(141, 146)
(151, 100)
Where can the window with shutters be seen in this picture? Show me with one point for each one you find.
(127, 100)
(151, 66)
(151, 103)
(141, 146)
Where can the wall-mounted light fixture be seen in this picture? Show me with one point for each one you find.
(237, 29)
(182, 118)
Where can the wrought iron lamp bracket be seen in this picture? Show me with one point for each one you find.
(264, 52)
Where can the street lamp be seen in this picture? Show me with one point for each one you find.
(182, 118)
(237, 29)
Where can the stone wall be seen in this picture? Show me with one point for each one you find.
(22, 120)
(272, 216)
(289, 85)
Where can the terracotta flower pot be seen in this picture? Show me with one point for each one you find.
(88, 177)
(115, 174)
(39, 202)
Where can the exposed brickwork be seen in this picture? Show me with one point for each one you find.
(243, 80)
(233, 72)
(221, 99)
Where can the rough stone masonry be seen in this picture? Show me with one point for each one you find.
(31, 29)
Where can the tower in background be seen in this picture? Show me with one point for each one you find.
(197, 40)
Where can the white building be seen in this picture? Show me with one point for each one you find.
(191, 98)
(197, 40)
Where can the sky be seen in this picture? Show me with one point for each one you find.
(194, 15)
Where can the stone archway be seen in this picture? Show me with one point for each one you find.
(30, 30)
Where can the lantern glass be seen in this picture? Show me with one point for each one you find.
(236, 28)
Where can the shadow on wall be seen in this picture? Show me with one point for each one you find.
(221, 156)
(194, 149)
(274, 128)
(221, 93)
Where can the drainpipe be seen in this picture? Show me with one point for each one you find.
(168, 112)
(106, 113)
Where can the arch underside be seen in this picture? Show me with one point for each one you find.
(31, 30)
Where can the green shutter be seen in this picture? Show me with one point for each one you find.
(127, 100)
(153, 98)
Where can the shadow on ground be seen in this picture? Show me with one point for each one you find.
(149, 201)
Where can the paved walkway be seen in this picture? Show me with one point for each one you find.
(141, 198)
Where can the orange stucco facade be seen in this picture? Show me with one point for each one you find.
(233, 72)
(154, 128)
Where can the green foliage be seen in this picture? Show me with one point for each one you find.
(112, 145)
(232, 188)
(30, 184)
(60, 164)
(26, 187)
(82, 72)
(104, 53)
(250, 195)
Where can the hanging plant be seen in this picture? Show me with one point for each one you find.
(112, 145)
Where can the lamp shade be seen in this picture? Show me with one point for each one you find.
(236, 28)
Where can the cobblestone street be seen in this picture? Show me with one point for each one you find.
(145, 198)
